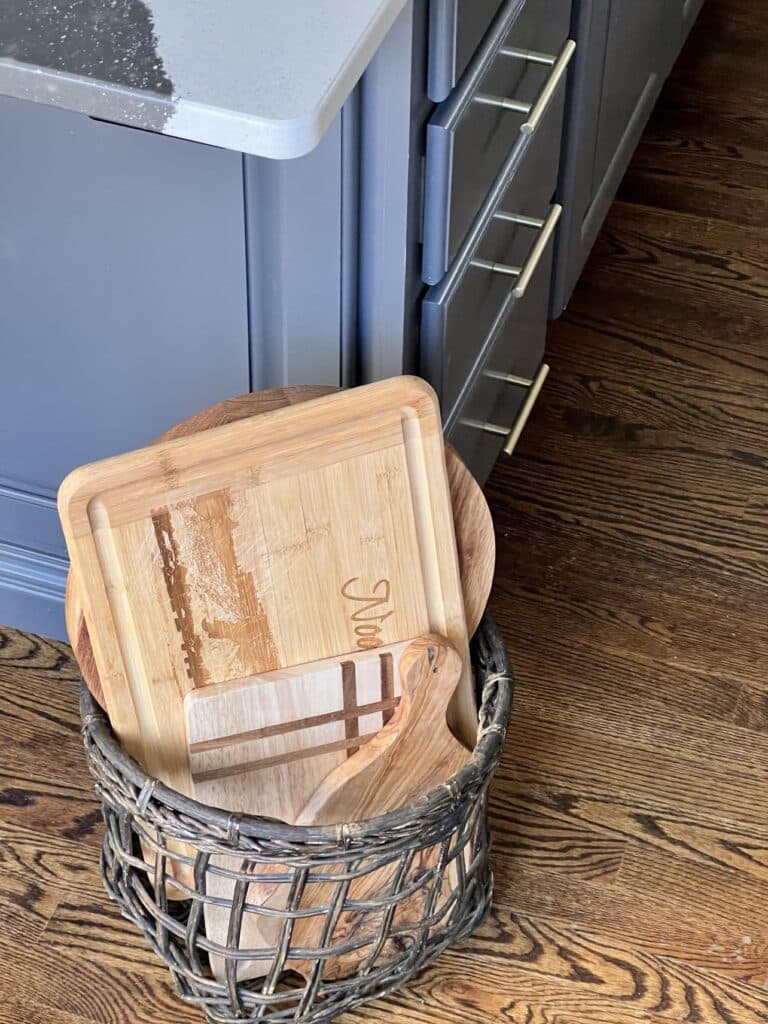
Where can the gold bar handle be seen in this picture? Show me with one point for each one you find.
(497, 268)
(503, 103)
(530, 400)
(508, 378)
(542, 102)
(512, 435)
(534, 257)
(487, 428)
(531, 56)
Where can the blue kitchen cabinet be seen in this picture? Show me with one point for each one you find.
(144, 277)
(224, 217)
(115, 321)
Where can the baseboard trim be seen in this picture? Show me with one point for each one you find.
(32, 590)
(28, 521)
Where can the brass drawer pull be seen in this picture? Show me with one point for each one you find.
(508, 378)
(526, 272)
(487, 100)
(487, 428)
(534, 112)
(534, 257)
(512, 435)
(518, 218)
(531, 56)
(546, 94)
(497, 268)
(530, 400)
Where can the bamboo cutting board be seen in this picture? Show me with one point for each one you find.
(471, 516)
(304, 533)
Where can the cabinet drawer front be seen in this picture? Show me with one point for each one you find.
(515, 348)
(495, 406)
(456, 28)
(461, 315)
(491, 409)
(513, 88)
(480, 440)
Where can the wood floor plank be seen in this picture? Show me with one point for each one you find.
(658, 522)
(67, 864)
(600, 766)
(645, 722)
(707, 890)
(53, 808)
(659, 644)
(717, 263)
(25, 907)
(26, 651)
(668, 927)
(554, 840)
(74, 985)
(558, 960)
(751, 709)
(541, 971)
(85, 925)
(12, 1011)
(667, 173)
(609, 823)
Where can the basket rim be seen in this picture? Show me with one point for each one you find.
(496, 682)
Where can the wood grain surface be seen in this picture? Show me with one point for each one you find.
(262, 544)
(630, 817)
(261, 745)
(410, 755)
(473, 525)
(227, 411)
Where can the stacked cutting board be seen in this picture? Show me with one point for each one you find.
(272, 607)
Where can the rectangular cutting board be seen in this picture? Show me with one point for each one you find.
(301, 534)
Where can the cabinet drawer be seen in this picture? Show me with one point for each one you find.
(501, 409)
(461, 317)
(456, 28)
(491, 414)
(513, 89)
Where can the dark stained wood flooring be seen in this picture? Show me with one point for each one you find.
(631, 809)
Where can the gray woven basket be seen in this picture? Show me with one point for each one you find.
(422, 869)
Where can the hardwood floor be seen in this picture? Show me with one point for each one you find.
(630, 813)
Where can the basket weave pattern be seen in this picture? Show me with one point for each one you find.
(355, 910)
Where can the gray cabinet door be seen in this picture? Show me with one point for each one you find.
(122, 310)
(632, 58)
(625, 50)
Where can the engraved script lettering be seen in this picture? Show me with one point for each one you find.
(368, 618)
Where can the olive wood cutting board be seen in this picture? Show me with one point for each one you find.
(304, 533)
(412, 754)
(260, 745)
(242, 758)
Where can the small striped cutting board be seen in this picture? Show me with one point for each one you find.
(262, 744)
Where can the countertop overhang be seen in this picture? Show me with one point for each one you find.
(257, 76)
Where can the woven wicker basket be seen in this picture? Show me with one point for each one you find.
(422, 871)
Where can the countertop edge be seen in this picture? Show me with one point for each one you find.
(177, 117)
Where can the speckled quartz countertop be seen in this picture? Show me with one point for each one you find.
(261, 76)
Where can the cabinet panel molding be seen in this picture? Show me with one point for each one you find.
(32, 590)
